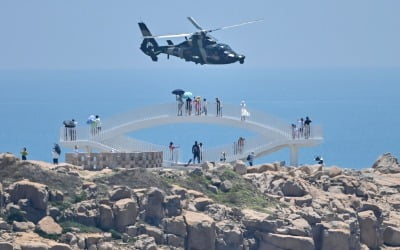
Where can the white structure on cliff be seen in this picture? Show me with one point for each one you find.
(273, 134)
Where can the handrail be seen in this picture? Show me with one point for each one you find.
(273, 132)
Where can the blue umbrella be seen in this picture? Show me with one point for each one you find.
(187, 95)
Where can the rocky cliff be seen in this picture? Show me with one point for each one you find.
(222, 206)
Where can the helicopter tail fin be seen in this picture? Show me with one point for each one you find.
(149, 45)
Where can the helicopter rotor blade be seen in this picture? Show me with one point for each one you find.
(168, 36)
(236, 25)
(191, 19)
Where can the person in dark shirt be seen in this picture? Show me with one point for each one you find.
(196, 152)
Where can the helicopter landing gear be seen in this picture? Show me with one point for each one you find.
(154, 58)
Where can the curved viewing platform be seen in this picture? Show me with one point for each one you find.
(272, 134)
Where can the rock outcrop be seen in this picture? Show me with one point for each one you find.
(310, 207)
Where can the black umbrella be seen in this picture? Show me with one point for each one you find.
(69, 124)
(178, 92)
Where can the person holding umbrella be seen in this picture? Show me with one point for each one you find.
(188, 107)
(179, 95)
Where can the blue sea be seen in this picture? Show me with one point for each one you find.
(357, 108)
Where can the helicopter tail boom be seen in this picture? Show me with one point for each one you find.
(149, 46)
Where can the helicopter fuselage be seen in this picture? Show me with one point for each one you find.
(203, 50)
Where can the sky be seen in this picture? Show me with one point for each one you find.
(100, 34)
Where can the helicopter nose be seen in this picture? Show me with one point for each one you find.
(241, 58)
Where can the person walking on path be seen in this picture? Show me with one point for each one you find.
(24, 154)
(250, 158)
(196, 152)
(219, 107)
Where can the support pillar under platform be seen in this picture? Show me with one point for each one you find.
(294, 156)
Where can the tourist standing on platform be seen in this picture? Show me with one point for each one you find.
(241, 145)
(97, 124)
(307, 128)
(294, 131)
(223, 157)
(56, 153)
(172, 151)
(201, 151)
(196, 152)
(188, 107)
(204, 108)
(24, 154)
(300, 127)
(219, 107)
(180, 104)
(243, 111)
(55, 157)
(198, 105)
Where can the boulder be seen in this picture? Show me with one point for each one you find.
(175, 225)
(23, 226)
(252, 170)
(257, 221)
(201, 231)
(334, 171)
(106, 217)
(33, 246)
(206, 166)
(120, 193)
(226, 186)
(175, 241)
(369, 229)
(266, 167)
(299, 227)
(240, 167)
(59, 246)
(56, 195)
(36, 193)
(154, 210)
(280, 241)
(293, 189)
(6, 246)
(125, 213)
(387, 164)
(47, 225)
(145, 242)
(391, 236)
(201, 203)
(229, 236)
(173, 206)
(336, 238)
(156, 233)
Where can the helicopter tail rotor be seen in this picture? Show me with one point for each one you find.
(149, 46)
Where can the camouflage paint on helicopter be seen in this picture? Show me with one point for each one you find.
(199, 47)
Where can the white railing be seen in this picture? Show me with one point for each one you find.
(110, 127)
(110, 135)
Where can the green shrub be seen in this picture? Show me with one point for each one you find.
(82, 196)
(115, 234)
(16, 216)
(68, 225)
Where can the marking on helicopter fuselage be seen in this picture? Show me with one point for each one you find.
(203, 52)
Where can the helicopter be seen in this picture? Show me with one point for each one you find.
(199, 47)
